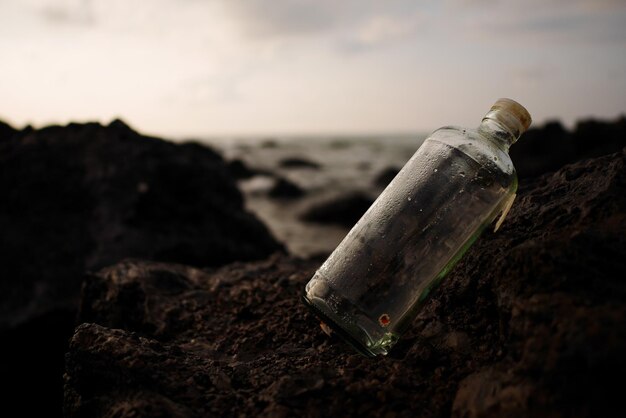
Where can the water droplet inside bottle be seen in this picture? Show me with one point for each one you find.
(409, 199)
(435, 170)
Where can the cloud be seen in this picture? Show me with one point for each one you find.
(534, 5)
(69, 12)
(284, 63)
(355, 25)
(549, 22)
(287, 18)
(263, 19)
(530, 76)
(381, 29)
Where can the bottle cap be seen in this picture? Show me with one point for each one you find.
(511, 115)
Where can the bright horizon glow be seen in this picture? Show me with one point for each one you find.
(300, 67)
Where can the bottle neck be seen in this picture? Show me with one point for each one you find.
(501, 126)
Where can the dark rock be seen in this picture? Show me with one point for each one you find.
(546, 149)
(532, 322)
(383, 178)
(295, 162)
(191, 324)
(269, 143)
(239, 170)
(285, 189)
(344, 210)
(341, 144)
(84, 196)
(32, 361)
(6, 131)
(92, 195)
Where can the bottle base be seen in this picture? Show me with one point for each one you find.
(353, 334)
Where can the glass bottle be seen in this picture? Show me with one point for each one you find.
(371, 287)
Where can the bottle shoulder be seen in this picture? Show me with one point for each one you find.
(485, 151)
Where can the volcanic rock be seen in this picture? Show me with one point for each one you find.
(83, 196)
(531, 322)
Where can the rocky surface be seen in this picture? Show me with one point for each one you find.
(83, 196)
(532, 322)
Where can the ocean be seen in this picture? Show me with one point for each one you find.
(345, 164)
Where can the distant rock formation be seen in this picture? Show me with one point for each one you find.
(6, 131)
(548, 148)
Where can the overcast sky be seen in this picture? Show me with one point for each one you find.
(207, 67)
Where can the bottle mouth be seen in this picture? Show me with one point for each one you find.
(511, 115)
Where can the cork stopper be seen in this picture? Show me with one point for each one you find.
(511, 115)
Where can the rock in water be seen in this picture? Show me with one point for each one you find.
(297, 162)
(285, 189)
(239, 170)
(383, 178)
(532, 322)
(83, 196)
(344, 210)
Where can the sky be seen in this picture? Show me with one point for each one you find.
(253, 67)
